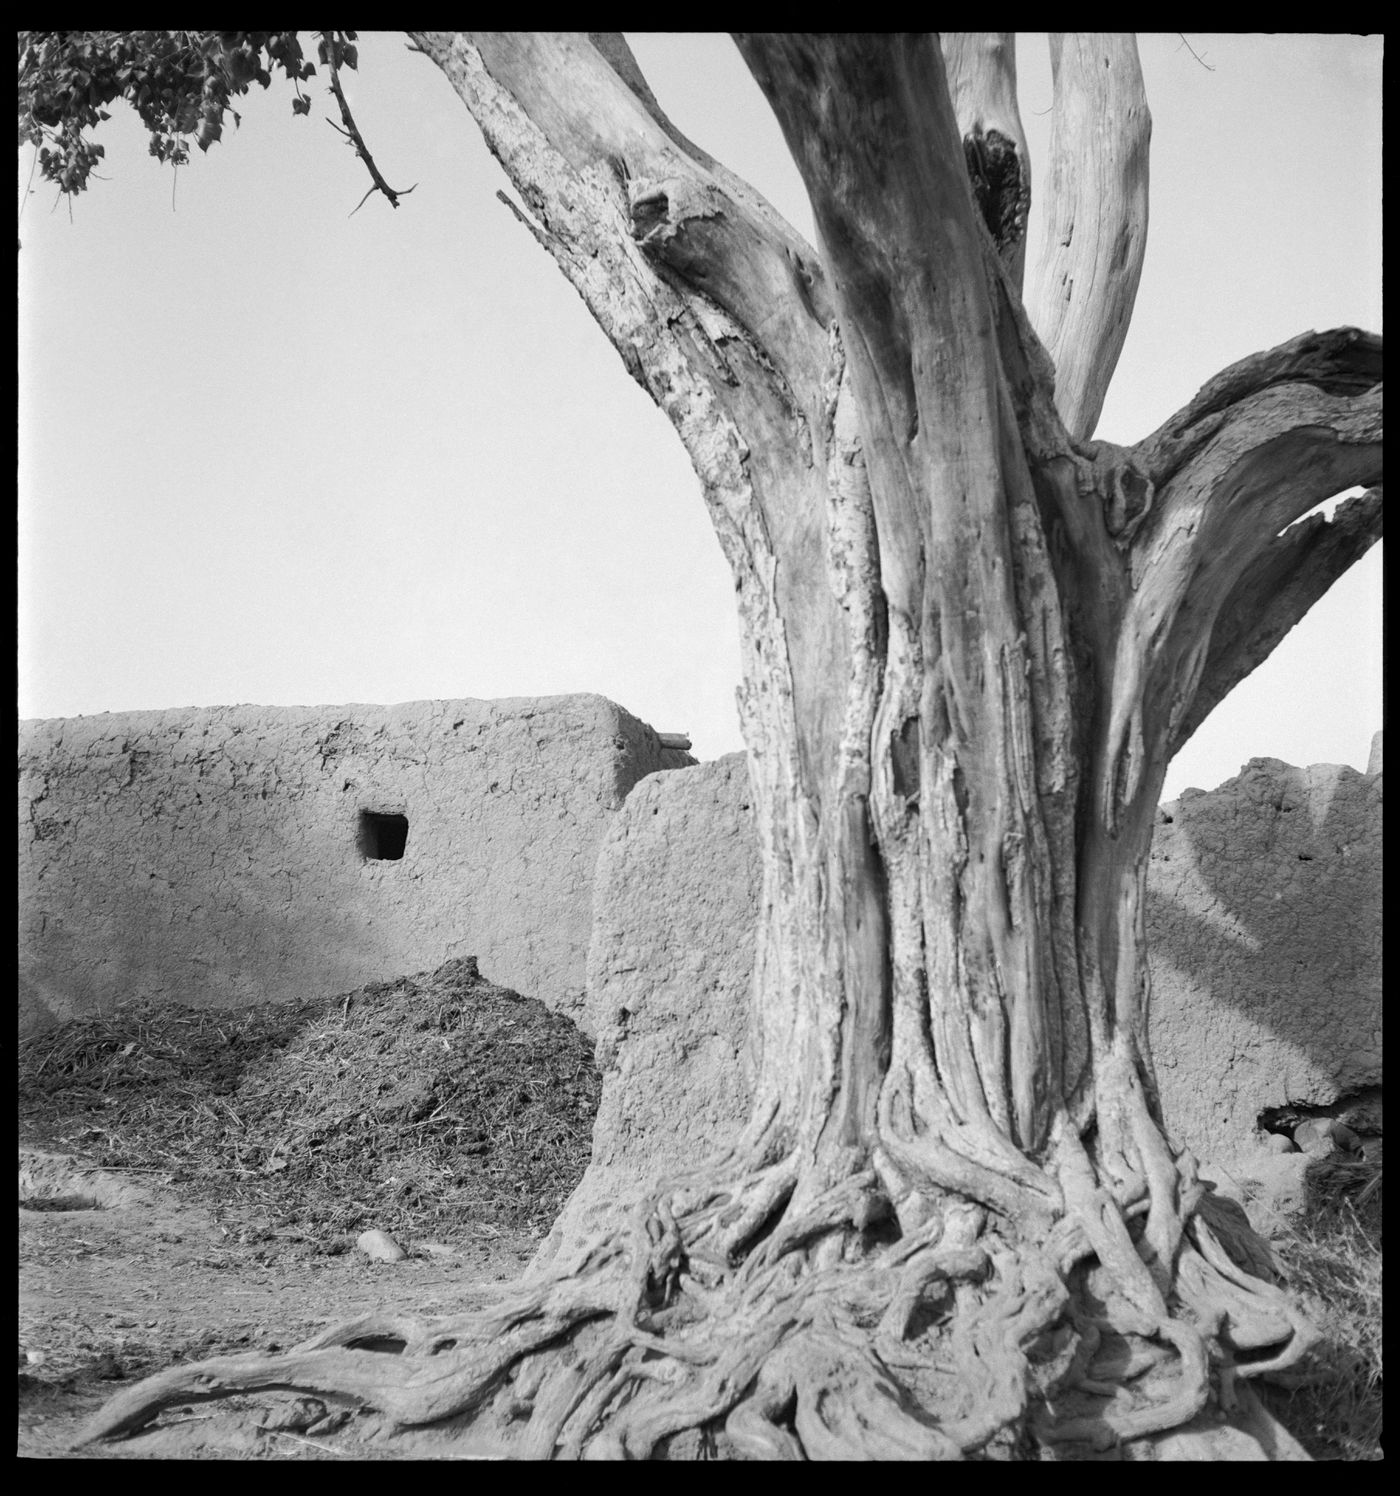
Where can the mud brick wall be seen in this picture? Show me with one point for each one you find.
(232, 854)
(1264, 943)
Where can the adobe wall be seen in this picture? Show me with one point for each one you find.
(1264, 925)
(1264, 943)
(215, 856)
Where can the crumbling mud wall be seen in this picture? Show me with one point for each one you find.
(670, 967)
(232, 854)
(1264, 925)
(1264, 942)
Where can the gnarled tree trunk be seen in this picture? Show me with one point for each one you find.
(973, 640)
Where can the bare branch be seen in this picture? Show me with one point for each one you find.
(1263, 443)
(612, 47)
(1195, 53)
(352, 134)
(1086, 277)
(1342, 361)
(701, 223)
(1275, 592)
(704, 307)
(870, 124)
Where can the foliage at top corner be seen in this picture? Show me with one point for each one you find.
(179, 82)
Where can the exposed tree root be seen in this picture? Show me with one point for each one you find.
(827, 1340)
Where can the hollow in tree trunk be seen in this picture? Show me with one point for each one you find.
(973, 639)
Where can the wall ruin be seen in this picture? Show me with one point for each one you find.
(229, 855)
(236, 854)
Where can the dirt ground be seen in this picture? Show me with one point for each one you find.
(193, 1184)
(111, 1294)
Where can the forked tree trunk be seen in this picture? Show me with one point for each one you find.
(972, 642)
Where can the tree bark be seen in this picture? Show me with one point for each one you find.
(981, 73)
(972, 642)
(1095, 217)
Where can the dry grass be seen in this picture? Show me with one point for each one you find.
(416, 1106)
(1333, 1260)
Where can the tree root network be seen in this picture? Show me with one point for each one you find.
(823, 1340)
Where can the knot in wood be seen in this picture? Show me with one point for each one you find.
(660, 208)
(999, 186)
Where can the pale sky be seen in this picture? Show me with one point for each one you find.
(269, 453)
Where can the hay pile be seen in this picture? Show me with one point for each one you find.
(433, 1104)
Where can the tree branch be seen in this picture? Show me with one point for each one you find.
(1341, 361)
(1289, 428)
(713, 313)
(981, 71)
(870, 124)
(1095, 216)
(1264, 442)
(1274, 593)
(351, 132)
(689, 214)
(577, 190)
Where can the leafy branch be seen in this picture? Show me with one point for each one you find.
(180, 83)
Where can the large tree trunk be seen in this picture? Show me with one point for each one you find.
(972, 642)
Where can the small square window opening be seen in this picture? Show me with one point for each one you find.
(381, 838)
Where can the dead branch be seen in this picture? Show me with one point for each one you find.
(351, 132)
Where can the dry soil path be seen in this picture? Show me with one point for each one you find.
(141, 1279)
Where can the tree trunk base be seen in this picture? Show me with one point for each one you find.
(738, 1327)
